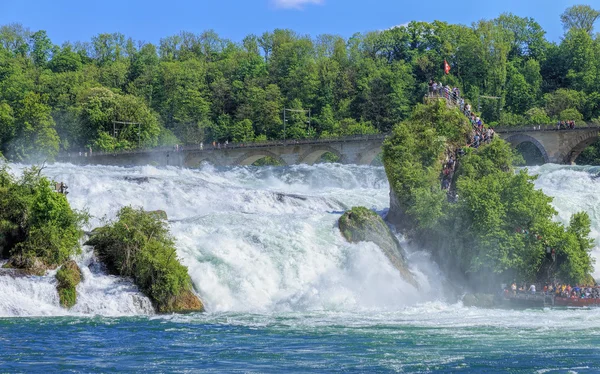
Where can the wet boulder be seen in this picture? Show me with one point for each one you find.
(360, 224)
(479, 300)
(186, 302)
(160, 214)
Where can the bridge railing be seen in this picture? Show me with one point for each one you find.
(555, 127)
(237, 145)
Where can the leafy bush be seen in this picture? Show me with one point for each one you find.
(537, 116)
(138, 244)
(570, 115)
(412, 158)
(36, 222)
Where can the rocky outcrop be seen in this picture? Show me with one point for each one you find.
(28, 265)
(185, 302)
(160, 214)
(479, 300)
(363, 225)
(397, 216)
(68, 277)
(138, 245)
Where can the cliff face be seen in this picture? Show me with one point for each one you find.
(363, 225)
(397, 216)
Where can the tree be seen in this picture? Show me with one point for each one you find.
(519, 95)
(582, 68)
(65, 59)
(563, 99)
(7, 123)
(15, 39)
(528, 36)
(580, 17)
(242, 131)
(537, 116)
(41, 48)
(35, 136)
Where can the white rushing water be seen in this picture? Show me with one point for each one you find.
(259, 239)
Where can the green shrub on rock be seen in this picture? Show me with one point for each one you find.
(68, 277)
(138, 244)
(38, 228)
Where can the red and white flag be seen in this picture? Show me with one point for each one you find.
(446, 67)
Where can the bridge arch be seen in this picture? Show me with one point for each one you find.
(314, 154)
(518, 139)
(369, 156)
(578, 144)
(252, 156)
(195, 160)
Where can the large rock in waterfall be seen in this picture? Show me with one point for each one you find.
(360, 224)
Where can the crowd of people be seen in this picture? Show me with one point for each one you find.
(562, 125)
(556, 289)
(479, 134)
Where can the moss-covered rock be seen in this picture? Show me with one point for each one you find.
(360, 224)
(160, 214)
(68, 277)
(29, 265)
(139, 245)
(185, 302)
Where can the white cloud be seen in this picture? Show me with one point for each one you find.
(295, 4)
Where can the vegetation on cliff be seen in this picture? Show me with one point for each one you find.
(68, 277)
(361, 224)
(38, 228)
(499, 228)
(138, 244)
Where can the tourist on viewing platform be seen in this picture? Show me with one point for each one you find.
(532, 289)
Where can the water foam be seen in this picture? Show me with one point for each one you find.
(260, 239)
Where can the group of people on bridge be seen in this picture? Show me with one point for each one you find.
(565, 125)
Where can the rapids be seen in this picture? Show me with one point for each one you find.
(261, 240)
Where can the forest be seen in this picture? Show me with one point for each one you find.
(116, 93)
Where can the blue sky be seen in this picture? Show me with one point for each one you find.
(149, 20)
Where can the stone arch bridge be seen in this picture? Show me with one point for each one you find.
(555, 146)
